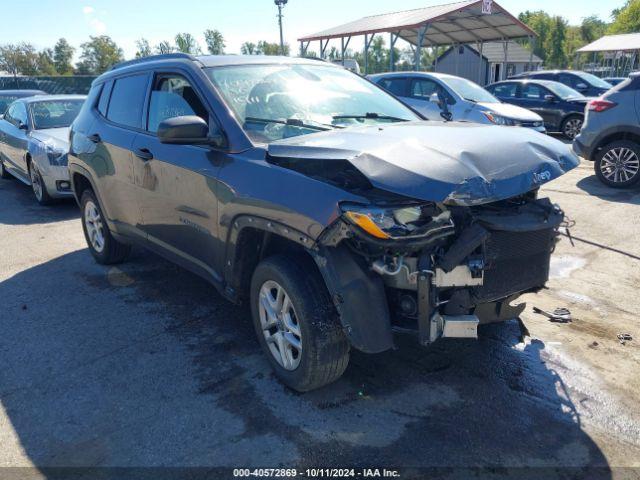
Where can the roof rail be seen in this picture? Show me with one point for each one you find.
(164, 56)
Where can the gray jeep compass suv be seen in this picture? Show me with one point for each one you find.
(337, 212)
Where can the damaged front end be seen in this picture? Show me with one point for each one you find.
(435, 269)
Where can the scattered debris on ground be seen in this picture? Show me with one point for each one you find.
(559, 315)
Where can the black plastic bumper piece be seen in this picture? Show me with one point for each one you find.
(359, 297)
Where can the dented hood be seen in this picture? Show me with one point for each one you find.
(455, 163)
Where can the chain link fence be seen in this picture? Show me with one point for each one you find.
(52, 85)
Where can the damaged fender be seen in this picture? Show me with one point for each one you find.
(359, 296)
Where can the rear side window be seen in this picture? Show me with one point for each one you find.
(173, 96)
(103, 103)
(127, 100)
(395, 86)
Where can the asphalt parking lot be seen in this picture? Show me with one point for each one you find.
(146, 365)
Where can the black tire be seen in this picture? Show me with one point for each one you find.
(38, 186)
(3, 172)
(606, 171)
(325, 348)
(112, 251)
(569, 126)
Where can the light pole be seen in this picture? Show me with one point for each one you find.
(280, 4)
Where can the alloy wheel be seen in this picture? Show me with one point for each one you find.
(36, 182)
(280, 325)
(572, 128)
(94, 225)
(620, 164)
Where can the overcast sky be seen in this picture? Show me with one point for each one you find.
(42, 22)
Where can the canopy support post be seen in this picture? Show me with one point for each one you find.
(482, 80)
(368, 40)
(392, 60)
(505, 47)
(422, 33)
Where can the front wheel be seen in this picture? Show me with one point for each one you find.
(38, 185)
(104, 248)
(297, 324)
(571, 126)
(618, 164)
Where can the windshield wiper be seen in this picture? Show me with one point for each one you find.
(293, 122)
(470, 100)
(370, 116)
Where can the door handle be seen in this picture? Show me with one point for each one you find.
(144, 154)
(95, 138)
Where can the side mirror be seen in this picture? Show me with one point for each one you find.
(23, 126)
(550, 98)
(187, 130)
(435, 98)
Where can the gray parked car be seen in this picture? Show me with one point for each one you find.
(610, 135)
(322, 201)
(34, 142)
(7, 97)
(437, 95)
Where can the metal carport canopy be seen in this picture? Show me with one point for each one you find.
(454, 23)
(614, 43)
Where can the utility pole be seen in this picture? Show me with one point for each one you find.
(280, 4)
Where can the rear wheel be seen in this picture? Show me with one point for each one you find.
(38, 185)
(104, 248)
(571, 126)
(618, 164)
(296, 323)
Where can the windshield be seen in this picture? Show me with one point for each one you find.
(55, 113)
(593, 80)
(562, 91)
(470, 91)
(273, 102)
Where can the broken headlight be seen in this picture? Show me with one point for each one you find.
(397, 223)
(57, 157)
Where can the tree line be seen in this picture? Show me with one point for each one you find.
(556, 44)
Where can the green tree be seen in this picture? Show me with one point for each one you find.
(99, 54)
(215, 42)
(626, 19)
(555, 45)
(592, 28)
(186, 43)
(267, 48)
(144, 49)
(249, 48)
(164, 47)
(45, 63)
(63, 56)
(19, 59)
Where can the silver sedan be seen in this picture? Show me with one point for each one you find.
(34, 143)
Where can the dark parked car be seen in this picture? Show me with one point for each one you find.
(321, 200)
(611, 135)
(561, 107)
(614, 81)
(586, 83)
(7, 97)
(34, 142)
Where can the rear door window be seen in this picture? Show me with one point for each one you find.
(173, 96)
(505, 90)
(395, 86)
(127, 100)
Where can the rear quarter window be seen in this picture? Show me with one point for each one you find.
(127, 100)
